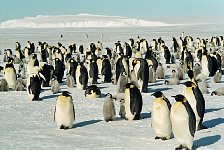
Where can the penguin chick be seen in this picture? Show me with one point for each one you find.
(203, 86)
(55, 87)
(4, 85)
(172, 81)
(109, 108)
(218, 92)
(70, 81)
(20, 86)
(217, 77)
(152, 75)
(122, 81)
(180, 73)
(161, 116)
(160, 72)
(92, 91)
(174, 74)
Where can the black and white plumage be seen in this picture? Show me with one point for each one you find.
(92, 91)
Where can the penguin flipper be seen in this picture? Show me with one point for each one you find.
(54, 112)
(192, 118)
(74, 112)
(200, 102)
(167, 102)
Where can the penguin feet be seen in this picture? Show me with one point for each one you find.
(162, 138)
(64, 127)
(179, 148)
(201, 127)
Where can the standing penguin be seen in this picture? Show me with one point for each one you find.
(106, 70)
(109, 111)
(81, 76)
(122, 81)
(59, 69)
(20, 86)
(55, 87)
(183, 122)
(33, 87)
(64, 114)
(132, 102)
(70, 81)
(93, 71)
(161, 116)
(10, 75)
(197, 102)
(160, 72)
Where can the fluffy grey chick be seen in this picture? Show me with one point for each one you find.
(55, 87)
(109, 108)
(218, 92)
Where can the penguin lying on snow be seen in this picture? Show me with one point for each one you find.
(92, 91)
(161, 116)
(183, 122)
(218, 92)
(109, 108)
(64, 114)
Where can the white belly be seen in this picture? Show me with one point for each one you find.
(180, 125)
(10, 77)
(161, 119)
(127, 103)
(64, 115)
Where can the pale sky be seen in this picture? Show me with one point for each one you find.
(149, 9)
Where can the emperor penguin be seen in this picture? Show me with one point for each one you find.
(70, 81)
(33, 87)
(160, 72)
(22, 70)
(183, 122)
(106, 71)
(196, 69)
(122, 81)
(92, 91)
(109, 111)
(55, 87)
(217, 77)
(10, 75)
(81, 76)
(4, 85)
(132, 102)
(161, 116)
(93, 71)
(64, 114)
(20, 86)
(197, 102)
(59, 69)
(152, 74)
(218, 92)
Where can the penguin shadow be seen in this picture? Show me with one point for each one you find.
(85, 123)
(103, 87)
(158, 89)
(50, 96)
(212, 110)
(205, 141)
(155, 84)
(145, 115)
(214, 122)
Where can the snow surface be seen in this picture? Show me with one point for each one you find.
(29, 125)
(80, 20)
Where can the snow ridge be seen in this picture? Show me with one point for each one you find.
(80, 20)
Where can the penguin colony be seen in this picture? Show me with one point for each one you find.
(132, 66)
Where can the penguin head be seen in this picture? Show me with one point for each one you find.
(173, 71)
(179, 98)
(130, 85)
(157, 94)
(65, 93)
(124, 73)
(213, 93)
(108, 95)
(166, 82)
(189, 84)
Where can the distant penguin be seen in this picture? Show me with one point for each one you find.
(47, 71)
(152, 75)
(4, 85)
(81, 76)
(160, 72)
(196, 69)
(161, 116)
(109, 111)
(93, 72)
(22, 70)
(10, 75)
(197, 102)
(167, 55)
(20, 86)
(142, 73)
(203, 86)
(70, 81)
(132, 102)
(72, 68)
(55, 87)
(174, 74)
(59, 69)
(64, 114)
(92, 91)
(122, 81)
(33, 87)
(106, 71)
(183, 122)
(218, 92)
(217, 77)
